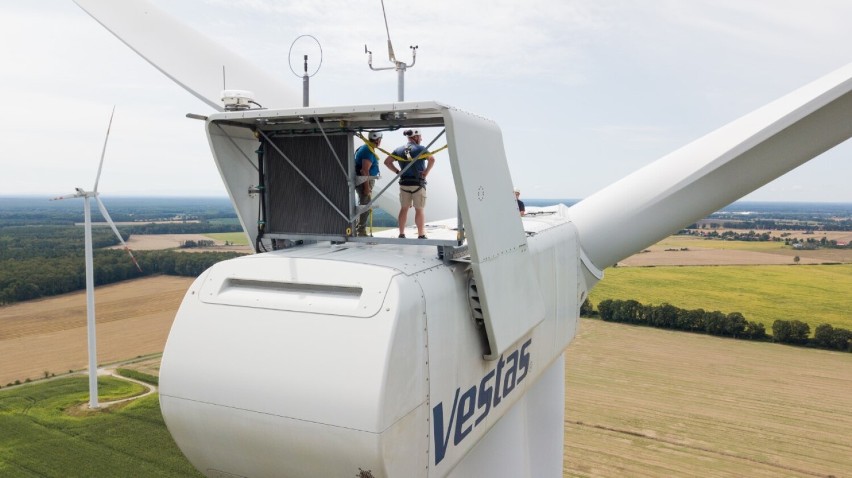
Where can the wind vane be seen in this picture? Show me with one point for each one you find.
(399, 66)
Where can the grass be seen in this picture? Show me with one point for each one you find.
(45, 433)
(813, 294)
(137, 375)
(677, 242)
(235, 238)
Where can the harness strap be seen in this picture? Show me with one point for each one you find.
(422, 156)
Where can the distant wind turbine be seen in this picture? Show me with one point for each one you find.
(90, 277)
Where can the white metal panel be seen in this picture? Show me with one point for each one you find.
(528, 440)
(185, 56)
(507, 284)
(233, 152)
(715, 170)
(467, 394)
(311, 394)
(300, 285)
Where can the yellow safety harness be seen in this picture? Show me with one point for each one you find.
(421, 156)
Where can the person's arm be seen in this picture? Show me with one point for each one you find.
(389, 163)
(366, 164)
(430, 161)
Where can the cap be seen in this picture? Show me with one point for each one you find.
(517, 190)
(374, 135)
(411, 132)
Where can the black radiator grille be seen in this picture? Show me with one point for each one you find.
(293, 206)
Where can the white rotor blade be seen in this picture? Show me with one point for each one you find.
(105, 214)
(67, 196)
(187, 57)
(715, 170)
(103, 151)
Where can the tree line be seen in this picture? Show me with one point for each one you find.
(45, 260)
(733, 324)
(36, 277)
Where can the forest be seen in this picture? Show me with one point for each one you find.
(41, 248)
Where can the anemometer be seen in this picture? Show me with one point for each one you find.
(399, 66)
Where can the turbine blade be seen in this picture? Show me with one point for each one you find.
(103, 151)
(715, 170)
(105, 214)
(187, 57)
(67, 196)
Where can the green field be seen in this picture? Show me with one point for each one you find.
(45, 433)
(235, 238)
(677, 242)
(813, 294)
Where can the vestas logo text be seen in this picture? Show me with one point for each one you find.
(494, 386)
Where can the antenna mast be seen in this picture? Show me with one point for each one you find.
(399, 66)
(306, 77)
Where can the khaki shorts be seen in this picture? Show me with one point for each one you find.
(416, 199)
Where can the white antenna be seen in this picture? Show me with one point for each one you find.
(90, 281)
(399, 66)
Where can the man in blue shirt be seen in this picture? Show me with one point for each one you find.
(366, 169)
(412, 183)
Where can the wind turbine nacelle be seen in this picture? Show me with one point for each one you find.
(323, 360)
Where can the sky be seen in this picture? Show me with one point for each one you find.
(585, 91)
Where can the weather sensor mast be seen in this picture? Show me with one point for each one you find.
(399, 66)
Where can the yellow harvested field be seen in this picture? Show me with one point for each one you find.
(153, 242)
(649, 402)
(133, 319)
(697, 251)
(640, 402)
(712, 257)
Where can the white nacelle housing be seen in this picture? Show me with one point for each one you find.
(320, 360)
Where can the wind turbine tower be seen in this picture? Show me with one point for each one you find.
(90, 277)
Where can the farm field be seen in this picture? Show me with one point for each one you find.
(49, 335)
(152, 242)
(640, 401)
(697, 251)
(45, 433)
(649, 403)
(236, 238)
(810, 293)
